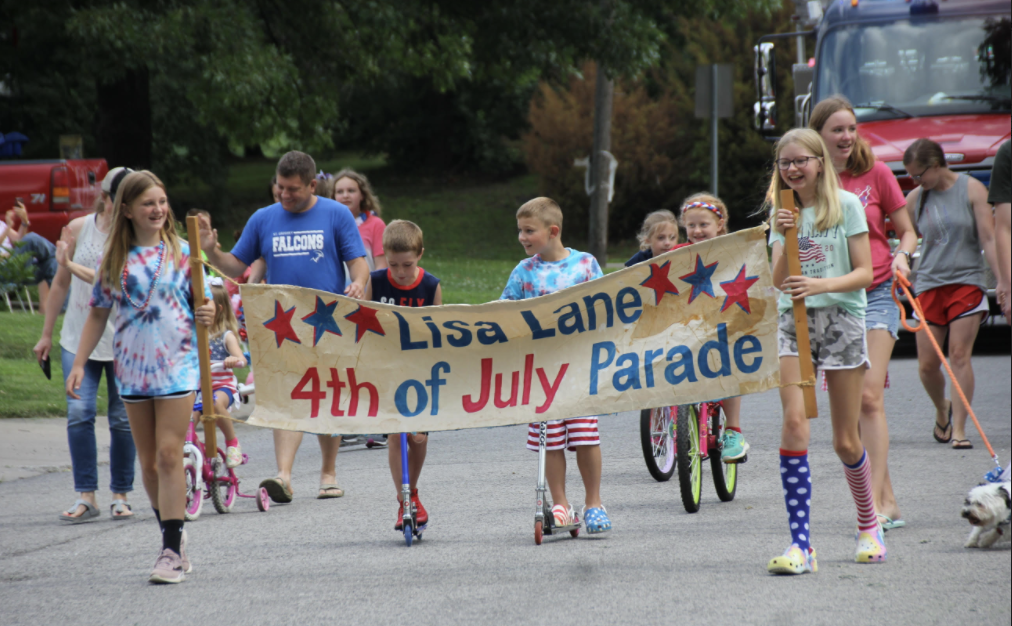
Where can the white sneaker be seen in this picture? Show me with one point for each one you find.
(233, 456)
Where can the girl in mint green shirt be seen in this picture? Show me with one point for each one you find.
(836, 267)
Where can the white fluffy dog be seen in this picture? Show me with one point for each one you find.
(987, 508)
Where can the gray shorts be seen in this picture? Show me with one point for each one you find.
(839, 340)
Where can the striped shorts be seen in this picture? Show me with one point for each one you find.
(565, 434)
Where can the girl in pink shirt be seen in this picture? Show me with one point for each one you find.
(354, 191)
(874, 184)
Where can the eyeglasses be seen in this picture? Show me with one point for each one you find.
(917, 177)
(799, 162)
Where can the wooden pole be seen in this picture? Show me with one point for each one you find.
(800, 313)
(203, 349)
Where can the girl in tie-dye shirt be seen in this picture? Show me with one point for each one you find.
(145, 271)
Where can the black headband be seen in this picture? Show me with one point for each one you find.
(114, 185)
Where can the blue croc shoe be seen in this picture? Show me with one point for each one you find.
(596, 520)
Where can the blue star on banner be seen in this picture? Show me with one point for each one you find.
(700, 279)
(322, 320)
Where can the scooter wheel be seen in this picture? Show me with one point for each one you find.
(537, 533)
(263, 500)
(408, 535)
(574, 533)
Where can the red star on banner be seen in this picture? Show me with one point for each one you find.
(281, 324)
(364, 319)
(737, 291)
(659, 282)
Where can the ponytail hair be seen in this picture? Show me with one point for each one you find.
(925, 152)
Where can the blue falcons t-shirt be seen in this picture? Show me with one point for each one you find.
(420, 293)
(302, 249)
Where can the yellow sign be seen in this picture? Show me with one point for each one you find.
(695, 324)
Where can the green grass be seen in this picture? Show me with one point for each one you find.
(24, 390)
(470, 244)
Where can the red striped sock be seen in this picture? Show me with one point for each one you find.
(859, 479)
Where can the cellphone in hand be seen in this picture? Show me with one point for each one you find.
(46, 369)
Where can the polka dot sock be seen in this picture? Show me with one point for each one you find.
(797, 482)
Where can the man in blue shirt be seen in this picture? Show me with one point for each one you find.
(305, 241)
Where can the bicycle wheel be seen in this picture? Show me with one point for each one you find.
(725, 475)
(224, 485)
(194, 494)
(657, 436)
(690, 461)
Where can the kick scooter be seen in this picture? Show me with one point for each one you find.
(544, 521)
(410, 519)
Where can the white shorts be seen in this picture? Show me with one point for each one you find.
(565, 434)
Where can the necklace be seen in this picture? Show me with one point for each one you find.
(154, 280)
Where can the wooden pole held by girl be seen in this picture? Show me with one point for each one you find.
(800, 312)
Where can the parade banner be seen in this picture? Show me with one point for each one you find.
(695, 324)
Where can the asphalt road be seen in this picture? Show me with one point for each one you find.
(339, 561)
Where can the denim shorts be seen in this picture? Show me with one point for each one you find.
(882, 312)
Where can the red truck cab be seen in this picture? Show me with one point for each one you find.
(53, 191)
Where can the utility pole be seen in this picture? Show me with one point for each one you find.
(600, 166)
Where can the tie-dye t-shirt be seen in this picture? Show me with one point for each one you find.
(154, 348)
(535, 277)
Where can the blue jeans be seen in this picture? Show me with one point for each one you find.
(81, 430)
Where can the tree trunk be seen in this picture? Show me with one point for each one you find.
(123, 124)
(599, 163)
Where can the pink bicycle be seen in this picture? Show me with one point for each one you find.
(211, 478)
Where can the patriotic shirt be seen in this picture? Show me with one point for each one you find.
(221, 378)
(535, 277)
(154, 348)
(825, 254)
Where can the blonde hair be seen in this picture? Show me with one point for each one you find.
(651, 223)
(861, 158)
(224, 316)
(370, 203)
(121, 236)
(545, 210)
(706, 202)
(402, 236)
(828, 211)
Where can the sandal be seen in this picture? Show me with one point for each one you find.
(329, 491)
(120, 509)
(596, 520)
(962, 444)
(889, 523)
(90, 513)
(945, 438)
(277, 490)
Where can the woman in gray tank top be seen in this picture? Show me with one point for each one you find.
(954, 218)
(78, 252)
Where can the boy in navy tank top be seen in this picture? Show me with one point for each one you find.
(403, 283)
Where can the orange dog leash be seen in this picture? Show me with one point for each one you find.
(902, 283)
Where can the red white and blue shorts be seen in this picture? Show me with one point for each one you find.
(565, 434)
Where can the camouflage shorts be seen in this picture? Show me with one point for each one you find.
(838, 338)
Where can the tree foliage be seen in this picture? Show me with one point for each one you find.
(662, 149)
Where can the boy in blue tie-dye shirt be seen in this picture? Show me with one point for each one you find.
(550, 268)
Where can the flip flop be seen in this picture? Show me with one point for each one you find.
(889, 523)
(90, 513)
(944, 429)
(325, 492)
(277, 490)
(118, 507)
(962, 444)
